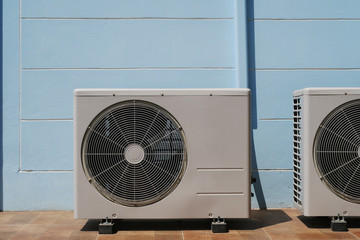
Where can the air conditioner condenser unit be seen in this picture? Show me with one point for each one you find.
(162, 153)
(327, 152)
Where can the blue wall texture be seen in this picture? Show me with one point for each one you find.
(51, 47)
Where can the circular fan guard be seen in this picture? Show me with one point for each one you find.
(134, 153)
(337, 151)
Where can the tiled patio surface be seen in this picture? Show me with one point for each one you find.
(271, 224)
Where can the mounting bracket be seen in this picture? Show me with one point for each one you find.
(219, 226)
(338, 224)
(106, 227)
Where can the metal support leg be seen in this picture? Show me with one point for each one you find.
(338, 224)
(219, 226)
(106, 227)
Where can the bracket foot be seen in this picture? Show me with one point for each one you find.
(106, 227)
(219, 226)
(338, 224)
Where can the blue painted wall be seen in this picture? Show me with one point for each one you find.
(292, 45)
(54, 46)
(1, 111)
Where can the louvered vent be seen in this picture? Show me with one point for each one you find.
(296, 151)
(337, 151)
(134, 153)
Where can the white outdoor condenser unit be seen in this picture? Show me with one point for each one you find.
(162, 153)
(327, 151)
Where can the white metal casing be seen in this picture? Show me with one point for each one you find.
(316, 198)
(216, 182)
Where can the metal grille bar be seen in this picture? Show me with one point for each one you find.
(297, 151)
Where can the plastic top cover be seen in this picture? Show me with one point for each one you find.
(327, 91)
(162, 92)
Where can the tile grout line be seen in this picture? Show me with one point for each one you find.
(266, 233)
(19, 230)
(47, 227)
(15, 234)
(354, 235)
(28, 224)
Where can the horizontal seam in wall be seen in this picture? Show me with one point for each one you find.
(306, 69)
(52, 120)
(304, 19)
(45, 171)
(121, 18)
(275, 119)
(133, 68)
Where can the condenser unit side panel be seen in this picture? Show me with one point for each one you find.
(297, 152)
(306, 154)
(318, 198)
(76, 155)
(217, 177)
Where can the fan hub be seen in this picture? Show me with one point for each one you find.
(134, 153)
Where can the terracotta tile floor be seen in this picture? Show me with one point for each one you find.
(271, 224)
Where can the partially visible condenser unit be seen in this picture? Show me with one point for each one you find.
(162, 153)
(327, 151)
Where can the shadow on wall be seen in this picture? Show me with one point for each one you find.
(259, 194)
(1, 104)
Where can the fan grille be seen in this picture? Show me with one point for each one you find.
(134, 153)
(337, 151)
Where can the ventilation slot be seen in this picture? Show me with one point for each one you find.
(297, 151)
